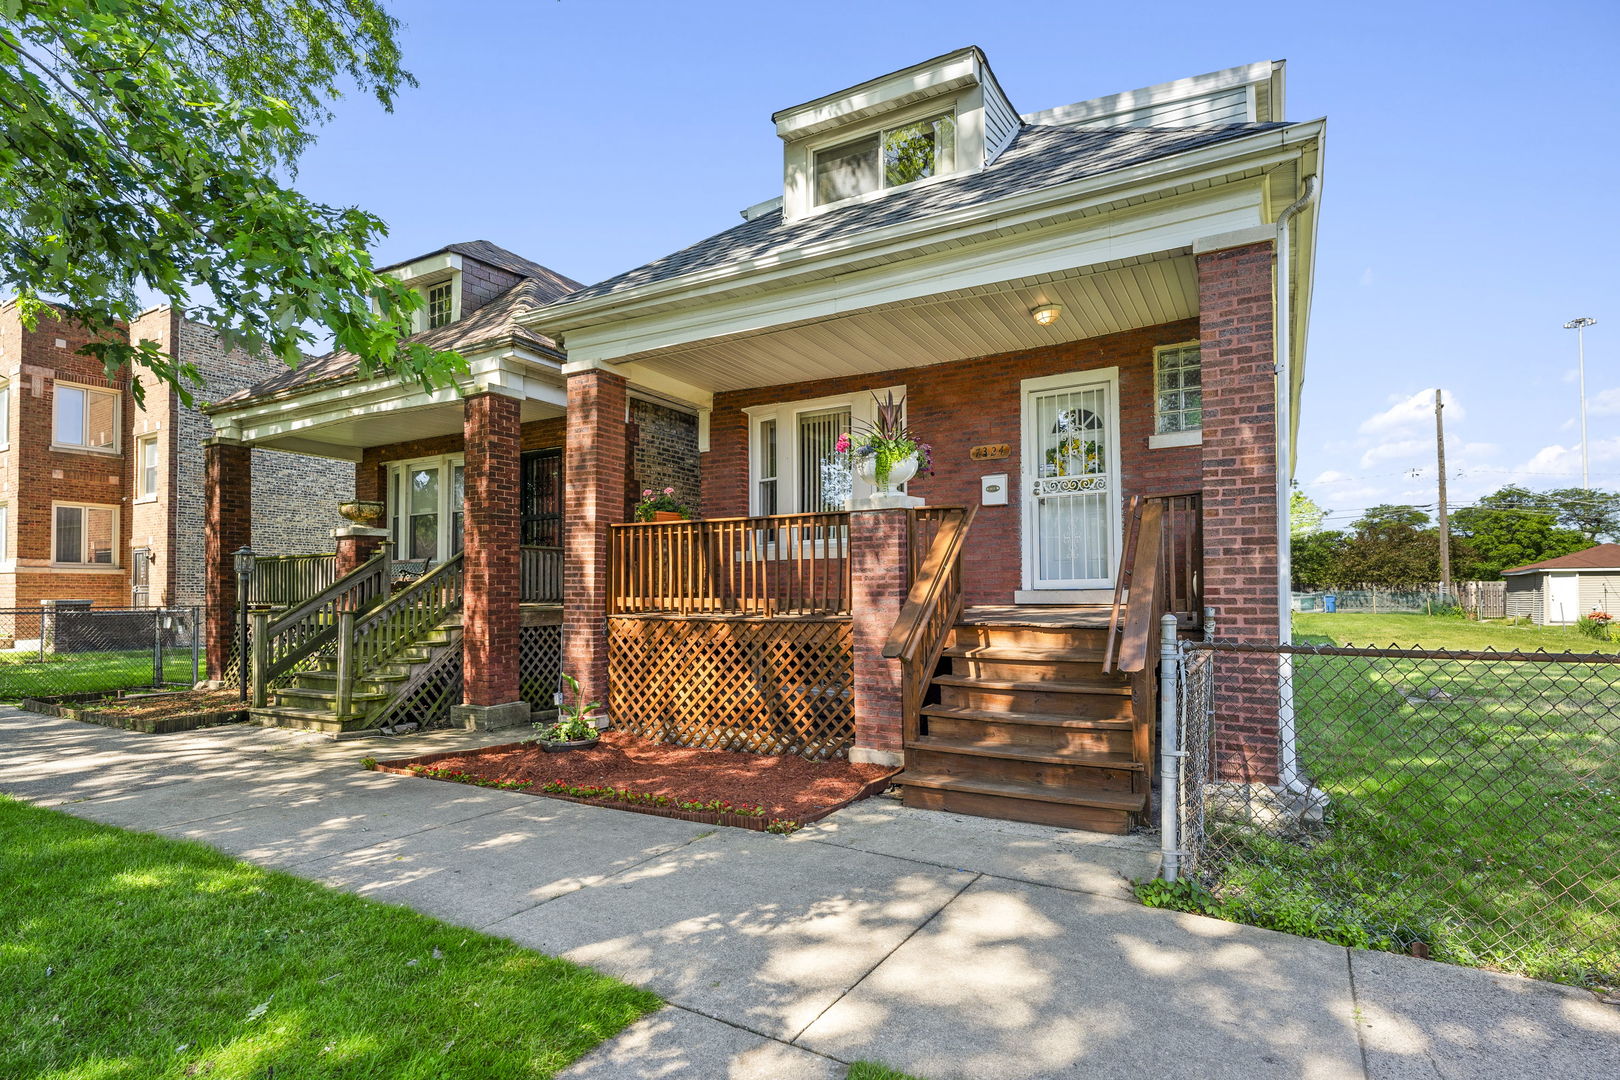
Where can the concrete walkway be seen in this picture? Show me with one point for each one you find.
(944, 946)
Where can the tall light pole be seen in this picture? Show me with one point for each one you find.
(1579, 326)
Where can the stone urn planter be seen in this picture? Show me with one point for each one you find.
(369, 514)
(899, 473)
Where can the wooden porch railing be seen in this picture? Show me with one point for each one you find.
(787, 564)
(1160, 570)
(540, 572)
(932, 607)
(280, 645)
(288, 580)
(369, 640)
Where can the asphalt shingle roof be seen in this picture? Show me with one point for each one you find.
(1040, 156)
(1598, 557)
(496, 321)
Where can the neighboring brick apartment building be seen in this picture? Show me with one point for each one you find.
(101, 499)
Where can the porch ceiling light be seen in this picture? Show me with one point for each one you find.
(1046, 314)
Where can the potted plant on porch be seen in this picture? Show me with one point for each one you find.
(575, 726)
(661, 506)
(885, 452)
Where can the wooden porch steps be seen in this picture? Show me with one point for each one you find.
(1023, 723)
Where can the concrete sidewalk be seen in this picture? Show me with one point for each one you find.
(944, 946)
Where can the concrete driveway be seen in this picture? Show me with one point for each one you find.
(948, 947)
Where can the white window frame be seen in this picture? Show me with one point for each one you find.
(398, 532)
(419, 319)
(84, 563)
(143, 494)
(118, 419)
(1187, 436)
(862, 410)
(5, 415)
(839, 137)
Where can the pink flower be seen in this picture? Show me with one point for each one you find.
(646, 493)
(669, 491)
(843, 443)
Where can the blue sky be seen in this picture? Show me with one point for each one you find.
(1469, 201)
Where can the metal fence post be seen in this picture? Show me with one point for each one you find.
(157, 648)
(196, 645)
(1169, 751)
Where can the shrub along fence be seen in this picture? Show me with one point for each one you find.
(45, 652)
(1476, 599)
(1455, 805)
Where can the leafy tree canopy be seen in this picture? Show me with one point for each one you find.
(140, 145)
(1511, 528)
(1305, 515)
(1314, 559)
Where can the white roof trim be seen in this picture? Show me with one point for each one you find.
(1562, 570)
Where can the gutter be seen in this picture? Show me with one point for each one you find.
(1289, 773)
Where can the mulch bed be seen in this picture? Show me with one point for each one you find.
(779, 792)
(151, 712)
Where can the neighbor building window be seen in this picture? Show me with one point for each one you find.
(85, 534)
(5, 414)
(86, 416)
(440, 304)
(1179, 404)
(5, 531)
(889, 158)
(146, 466)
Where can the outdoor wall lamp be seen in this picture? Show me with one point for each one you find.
(1046, 314)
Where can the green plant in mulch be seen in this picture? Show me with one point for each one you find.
(575, 722)
(134, 955)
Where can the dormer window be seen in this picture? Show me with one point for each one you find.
(440, 304)
(889, 158)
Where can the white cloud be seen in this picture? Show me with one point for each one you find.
(1395, 451)
(1604, 402)
(1407, 413)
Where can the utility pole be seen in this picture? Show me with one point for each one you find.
(1579, 326)
(1445, 517)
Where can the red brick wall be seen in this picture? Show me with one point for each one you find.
(959, 405)
(597, 458)
(371, 474)
(227, 469)
(1240, 498)
(490, 633)
(877, 551)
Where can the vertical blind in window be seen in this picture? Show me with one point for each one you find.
(824, 483)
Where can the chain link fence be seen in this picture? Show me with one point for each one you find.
(48, 652)
(1459, 806)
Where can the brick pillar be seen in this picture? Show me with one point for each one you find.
(877, 558)
(1237, 339)
(594, 465)
(355, 545)
(227, 525)
(490, 611)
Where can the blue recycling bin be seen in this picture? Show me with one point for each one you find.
(1330, 603)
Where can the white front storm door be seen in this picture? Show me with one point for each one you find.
(1071, 481)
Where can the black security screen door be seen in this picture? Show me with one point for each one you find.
(542, 498)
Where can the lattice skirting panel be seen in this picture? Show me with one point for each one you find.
(433, 691)
(763, 686)
(539, 662)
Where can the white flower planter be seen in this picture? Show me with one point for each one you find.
(899, 473)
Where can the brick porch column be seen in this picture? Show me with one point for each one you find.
(594, 465)
(1236, 335)
(227, 525)
(490, 608)
(877, 557)
(355, 545)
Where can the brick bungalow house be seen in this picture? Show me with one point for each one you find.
(101, 499)
(1095, 314)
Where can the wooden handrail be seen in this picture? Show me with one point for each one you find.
(290, 640)
(286, 580)
(1146, 601)
(393, 626)
(933, 604)
(540, 571)
(1159, 571)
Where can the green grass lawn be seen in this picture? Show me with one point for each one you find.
(1429, 632)
(1474, 805)
(127, 955)
(22, 674)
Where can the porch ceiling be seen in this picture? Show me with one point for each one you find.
(346, 438)
(1102, 299)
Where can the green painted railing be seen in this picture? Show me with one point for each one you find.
(285, 581)
(387, 630)
(540, 574)
(284, 644)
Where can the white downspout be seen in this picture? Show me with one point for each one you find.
(1289, 772)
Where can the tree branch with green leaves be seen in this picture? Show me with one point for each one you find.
(148, 147)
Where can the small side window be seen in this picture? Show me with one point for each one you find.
(440, 304)
(1178, 385)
